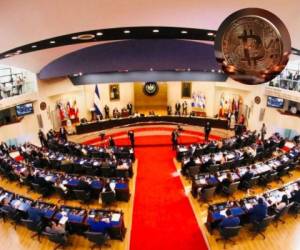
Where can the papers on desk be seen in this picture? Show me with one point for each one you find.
(63, 220)
(48, 178)
(223, 212)
(15, 154)
(115, 217)
(248, 206)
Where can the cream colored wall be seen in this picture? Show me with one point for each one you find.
(63, 89)
(207, 88)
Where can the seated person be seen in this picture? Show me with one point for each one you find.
(227, 181)
(82, 184)
(97, 225)
(259, 211)
(296, 195)
(56, 228)
(230, 220)
(246, 178)
(35, 214)
(282, 204)
(187, 165)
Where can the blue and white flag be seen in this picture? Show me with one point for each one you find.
(97, 103)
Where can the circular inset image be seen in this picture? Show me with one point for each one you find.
(257, 99)
(151, 88)
(43, 106)
(252, 45)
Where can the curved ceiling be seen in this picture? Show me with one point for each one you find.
(135, 55)
(24, 22)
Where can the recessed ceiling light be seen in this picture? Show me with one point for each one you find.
(184, 32)
(151, 69)
(74, 37)
(18, 51)
(52, 42)
(155, 31)
(188, 69)
(86, 37)
(99, 34)
(7, 55)
(126, 31)
(33, 46)
(80, 73)
(75, 74)
(210, 34)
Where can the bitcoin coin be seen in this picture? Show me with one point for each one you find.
(252, 45)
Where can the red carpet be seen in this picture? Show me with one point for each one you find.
(163, 218)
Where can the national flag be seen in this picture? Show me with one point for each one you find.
(97, 103)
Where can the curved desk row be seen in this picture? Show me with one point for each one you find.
(146, 120)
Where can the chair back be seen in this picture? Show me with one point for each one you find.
(233, 187)
(68, 168)
(81, 194)
(213, 169)
(265, 223)
(57, 238)
(194, 170)
(254, 181)
(230, 232)
(96, 237)
(31, 225)
(108, 197)
(208, 193)
(285, 210)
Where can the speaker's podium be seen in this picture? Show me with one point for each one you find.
(197, 111)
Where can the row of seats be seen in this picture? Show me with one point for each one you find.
(57, 223)
(277, 207)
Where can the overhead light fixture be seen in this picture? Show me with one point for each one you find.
(210, 34)
(188, 69)
(74, 37)
(126, 31)
(80, 73)
(18, 52)
(184, 32)
(52, 42)
(151, 69)
(8, 55)
(33, 46)
(99, 34)
(85, 37)
(75, 75)
(155, 31)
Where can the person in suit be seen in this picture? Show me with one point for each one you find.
(174, 138)
(4, 148)
(207, 129)
(259, 211)
(56, 228)
(185, 167)
(63, 133)
(111, 142)
(184, 108)
(229, 220)
(82, 184)
(169, 110)
(227, 181)
(131, 137)
(246, 178)
(97, 225)
(42, 138)
(129, 107)
(35, 214)
(177, 108)
(263, 132)
(106, 111)
(296, 195)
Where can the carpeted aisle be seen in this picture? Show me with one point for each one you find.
(162, 215)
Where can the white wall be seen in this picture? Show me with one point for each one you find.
(62, 89)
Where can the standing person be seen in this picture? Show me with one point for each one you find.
(177, 108)
(263, 132)
(131, 137)
(106, 111)
(207, 129)
(63, 133)
(111, 142)
(42, 138)
(174, 137)
(129, 107)
(184, 108)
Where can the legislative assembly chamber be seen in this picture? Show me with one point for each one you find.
(149, 125)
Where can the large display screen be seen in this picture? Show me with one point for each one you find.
(275, 102)
(24, 109)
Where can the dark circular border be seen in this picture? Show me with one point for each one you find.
(150, 93)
